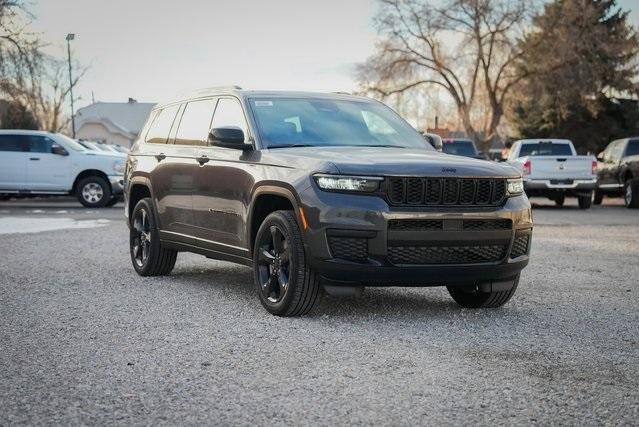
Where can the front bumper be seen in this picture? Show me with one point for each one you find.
(117, 184)
(392, 256)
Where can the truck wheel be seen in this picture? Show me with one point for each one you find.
(598, 198)
(560, 199)
(4, 197)
(631, 193)
(285, 283)
(93, 192)
(148, 255)
(471, 297)
(585, 201)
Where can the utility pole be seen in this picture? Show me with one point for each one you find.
(70, 37)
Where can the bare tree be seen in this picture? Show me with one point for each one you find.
(467, 47)
(44, 89)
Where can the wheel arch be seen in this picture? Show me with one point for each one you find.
(265, 200)
(87, 173)
(137, 189)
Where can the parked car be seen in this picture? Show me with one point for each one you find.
(551, 168)
(618, 172)
(44, 163)
(461, 147)
(321, 190)
(100, 146)
(434, 140)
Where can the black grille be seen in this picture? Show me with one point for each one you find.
(487, 224)
(446, 191)
(438, 224)
(422, 255)
(520, 246)
(350, 248)
(415, 224)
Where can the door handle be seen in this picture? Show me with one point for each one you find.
(34, 158)
(160, 157)
(202, 159)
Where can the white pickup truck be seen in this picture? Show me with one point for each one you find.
(551, 168)
(37, 162)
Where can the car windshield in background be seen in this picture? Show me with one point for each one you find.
(286, 122)
(459, 147)
(545, 149)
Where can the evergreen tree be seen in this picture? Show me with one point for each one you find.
(580, 57)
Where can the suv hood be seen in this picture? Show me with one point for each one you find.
(382, 161)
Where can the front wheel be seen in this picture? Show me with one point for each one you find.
(285, 283)
(148, 255)
(631, 193)
(473, 297)
(93, 192)
(585, 201)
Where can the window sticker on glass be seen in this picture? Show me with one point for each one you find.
(263, 103)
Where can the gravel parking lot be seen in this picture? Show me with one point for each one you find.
(87, 341)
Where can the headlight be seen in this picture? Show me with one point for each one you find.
(118, 167)
(364, 184)
(515, 187)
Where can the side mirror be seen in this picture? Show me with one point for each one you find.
(59, 150)
(228, 137)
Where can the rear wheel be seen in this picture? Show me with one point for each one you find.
(631, 193)
(585, 201)
(93, 192)
(560, 199)
(598, 198)
(285, 283)
(148, 256)
(473, 297)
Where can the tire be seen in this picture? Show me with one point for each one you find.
(560, 199)
(473, 298)
(4, 197)
(93, 192)
(112, 201)
(631, 193)
(585, 201)
(284, 282)
(598, 197)
(148, 256)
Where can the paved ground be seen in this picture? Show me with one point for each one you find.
(87, 341)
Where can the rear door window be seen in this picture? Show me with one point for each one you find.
(159, 130)
(13, 143)
(195, 123)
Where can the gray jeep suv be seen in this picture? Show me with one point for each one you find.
(321, 192)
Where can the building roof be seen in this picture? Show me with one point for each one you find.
(124, 117)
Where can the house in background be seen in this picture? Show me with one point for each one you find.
(112, 122)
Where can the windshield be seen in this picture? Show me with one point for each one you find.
(71, 143)
(459, 147)
(545, 149)
(285, 122)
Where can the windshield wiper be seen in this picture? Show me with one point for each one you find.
(378, 145)
(291, 145)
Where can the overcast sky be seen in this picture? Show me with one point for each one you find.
(148, 51)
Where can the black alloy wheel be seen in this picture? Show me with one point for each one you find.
(274, 264)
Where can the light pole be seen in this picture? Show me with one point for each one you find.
(70, 37)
